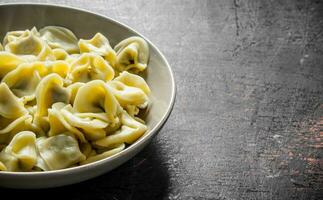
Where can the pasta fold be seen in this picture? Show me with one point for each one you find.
(90, 67)
(49, 91)
(27, 43)
(100, 45)
(20, 153)
(132, 54)
(130, 131)
(60, 37)
(96, 97)
(60, 151)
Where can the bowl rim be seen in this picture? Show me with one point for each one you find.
(142, 139)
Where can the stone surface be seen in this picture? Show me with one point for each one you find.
(247, 123)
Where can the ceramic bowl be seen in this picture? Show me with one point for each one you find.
(85, 24)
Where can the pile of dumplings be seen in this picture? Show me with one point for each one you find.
(66, 102)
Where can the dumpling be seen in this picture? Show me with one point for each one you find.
(133, 80)
(59, 125)
(40, 163)
(23, 147)
(131, 91)
(28, 43)
(132, 54)
(9, 162)
(127, 95)
(60, 151)
(105, 154)
(8, 62)
(60, 37)
(92, 127)
(49, 91)
(12, 111)
(90, 67)
(23, 80)
(65, 102)
(130, 131)
(96, 97)
(13, 36)
(100, 45)
(20, 154)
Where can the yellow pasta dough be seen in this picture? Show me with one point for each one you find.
(66, 101)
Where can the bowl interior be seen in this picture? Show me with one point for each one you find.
(84, 24)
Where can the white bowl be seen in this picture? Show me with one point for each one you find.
(85, 24)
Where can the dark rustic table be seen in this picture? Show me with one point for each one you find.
(247, 122)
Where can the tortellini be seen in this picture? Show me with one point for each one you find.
(49, 91)
(99, 45)
(66, 101)
(20, 154)
(60, 37)
(27, 43)
(23, 80)
(60, 151)
(132, 54)
(12, 111)
(96, 97)
(90, 67)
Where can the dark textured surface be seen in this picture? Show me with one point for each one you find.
(247, 123)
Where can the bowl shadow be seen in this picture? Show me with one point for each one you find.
(142, 177)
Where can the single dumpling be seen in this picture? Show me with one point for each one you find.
(131, 91)
(60, 151)
(23, 80)
(8, 162)
(60, 37)
(20, 154)
(12, 111)
(133, 80)
(28, 43)
(8, 62)
(14, 35)
(22, 148)
(127, 95)
(96, 97)
(130, 131)
(100, 45)
(49, 91)
(90, 67)
(132, 54)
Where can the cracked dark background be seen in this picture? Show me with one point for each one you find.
(248, 118)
